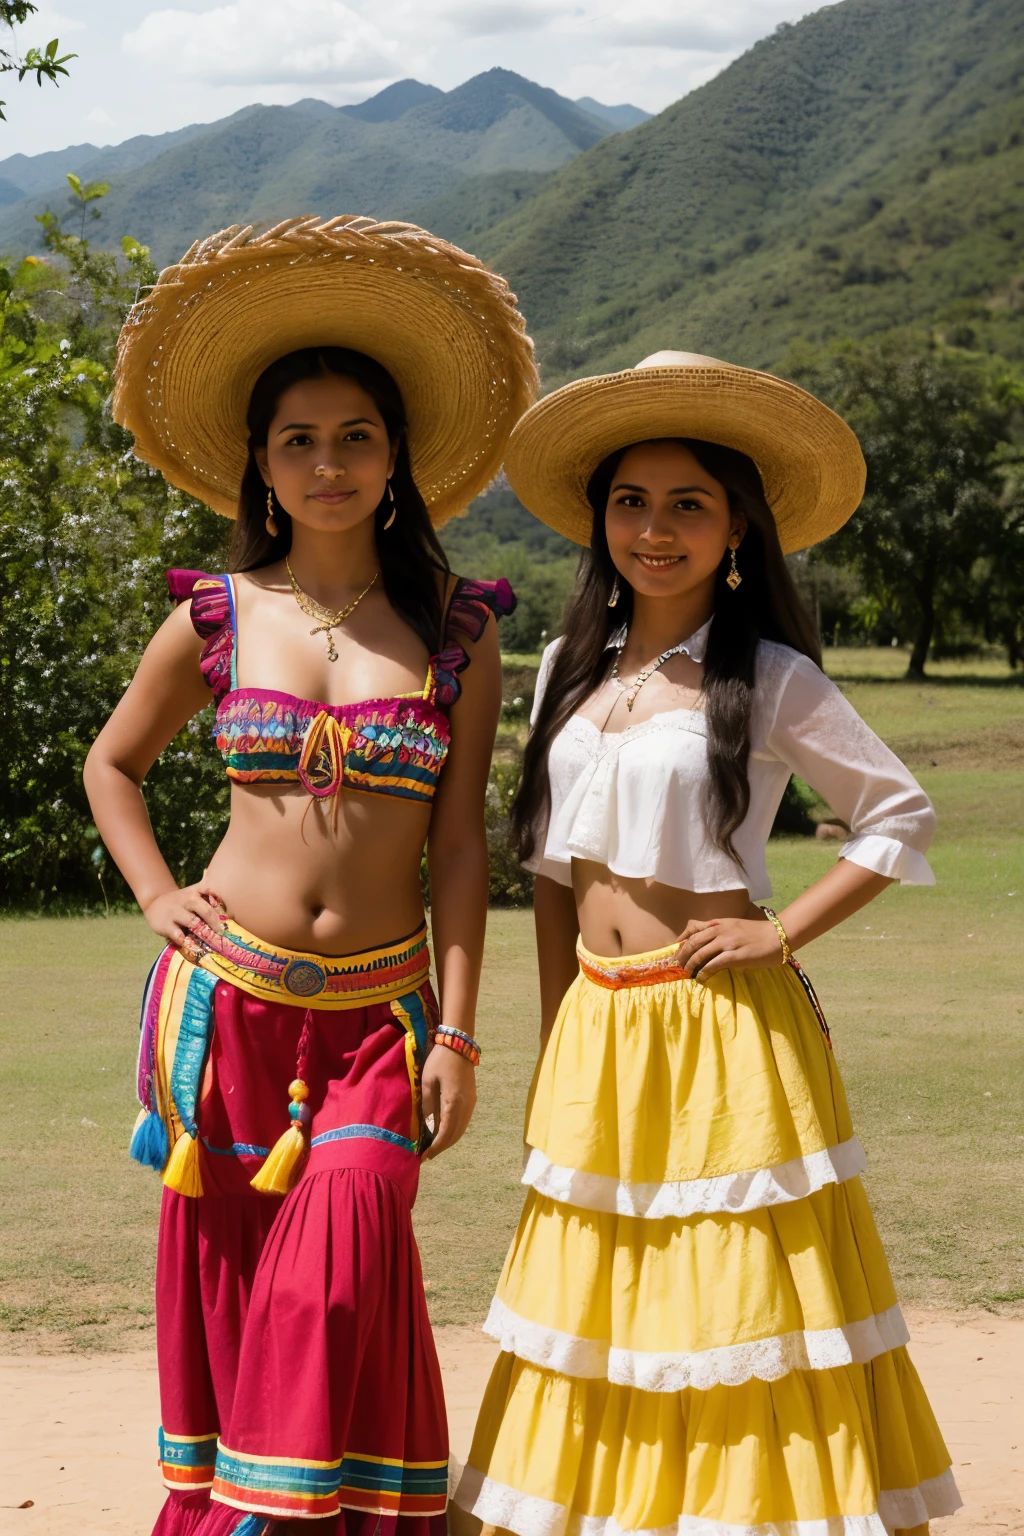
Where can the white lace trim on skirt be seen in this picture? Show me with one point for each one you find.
(903, 1508)
(734, 1192)
(505, 1507)
(731, 1365)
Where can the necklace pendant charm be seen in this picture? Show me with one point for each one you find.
(332, 654)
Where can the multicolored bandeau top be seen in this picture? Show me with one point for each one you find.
(392, 746)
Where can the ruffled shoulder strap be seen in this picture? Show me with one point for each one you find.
(471, 605)
(213, 619)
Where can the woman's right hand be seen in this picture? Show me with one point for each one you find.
(182, 916)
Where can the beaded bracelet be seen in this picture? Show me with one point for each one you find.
(786, 951)
(455, 1040)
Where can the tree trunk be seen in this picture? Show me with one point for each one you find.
(923, 638)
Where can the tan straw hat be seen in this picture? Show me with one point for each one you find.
(446, 329)
(810, 462)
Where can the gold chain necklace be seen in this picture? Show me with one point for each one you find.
(327, 620)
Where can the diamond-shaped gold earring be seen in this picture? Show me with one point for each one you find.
(734, 578)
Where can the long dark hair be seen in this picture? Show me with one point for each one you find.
(410, 554)
(765, 606)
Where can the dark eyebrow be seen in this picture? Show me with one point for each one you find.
(680, 490)
(308, 426)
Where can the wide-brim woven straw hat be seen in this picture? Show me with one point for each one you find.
(446, 329)
(810, 461)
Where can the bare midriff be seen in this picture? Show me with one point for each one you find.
(621, 916)
(330, 877)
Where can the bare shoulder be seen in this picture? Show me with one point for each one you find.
(177, 636)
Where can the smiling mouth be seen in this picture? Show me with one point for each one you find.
(658, 562)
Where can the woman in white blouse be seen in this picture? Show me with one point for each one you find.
(699, 1330)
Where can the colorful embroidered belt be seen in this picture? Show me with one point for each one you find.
(313, 981)
(661, 965)
(631, 970)
(177, 1023)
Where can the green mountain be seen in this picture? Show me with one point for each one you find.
(31, 175)
(405, 147)
(393, 101)
(860, 170)
(624, 116)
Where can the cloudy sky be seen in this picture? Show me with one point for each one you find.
(145, 70)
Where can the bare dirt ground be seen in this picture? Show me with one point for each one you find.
(77, 1435)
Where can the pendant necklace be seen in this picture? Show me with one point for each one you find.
(327, 619)
(632, 689)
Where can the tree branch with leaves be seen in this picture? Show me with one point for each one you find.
(44, 63)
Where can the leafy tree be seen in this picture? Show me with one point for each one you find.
(87, 532)
(932, 422)
(84, 194)
(998, 607)
(43, 63)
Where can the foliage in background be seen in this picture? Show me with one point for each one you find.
(500, 538)
(87, 532)
(44, 63)
(941, 528)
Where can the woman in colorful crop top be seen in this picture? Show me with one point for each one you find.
(698, 1327)
(341, 389)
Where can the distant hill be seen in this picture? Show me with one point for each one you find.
(387, 157)
(620, 117)
(35, 174)
(393, 101)
(859, 170)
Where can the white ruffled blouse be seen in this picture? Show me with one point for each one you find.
(634, 800)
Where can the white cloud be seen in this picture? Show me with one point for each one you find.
(97, 115)
(353, 42)
(469, 18)
(646, 77)
(50, 23)
(261, 42)
(687, 25)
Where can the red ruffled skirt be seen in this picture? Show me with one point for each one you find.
(298, 1375)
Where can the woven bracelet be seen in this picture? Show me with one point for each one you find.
(787, 953)
(455, 1040)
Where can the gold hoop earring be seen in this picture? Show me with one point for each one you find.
(270, 524)
(615, 592)
(734, 578)
(394, 509)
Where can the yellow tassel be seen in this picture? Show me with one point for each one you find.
(182, 1172)
(281, 1168)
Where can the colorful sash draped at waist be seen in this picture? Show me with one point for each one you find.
(314, 981)
(656, 966)
(177, 1015)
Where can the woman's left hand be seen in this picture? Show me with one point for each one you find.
(707, 945)
(449, 1095)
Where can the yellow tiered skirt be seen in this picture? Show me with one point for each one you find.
(699, 1330)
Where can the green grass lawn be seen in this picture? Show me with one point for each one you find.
(923, 992)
